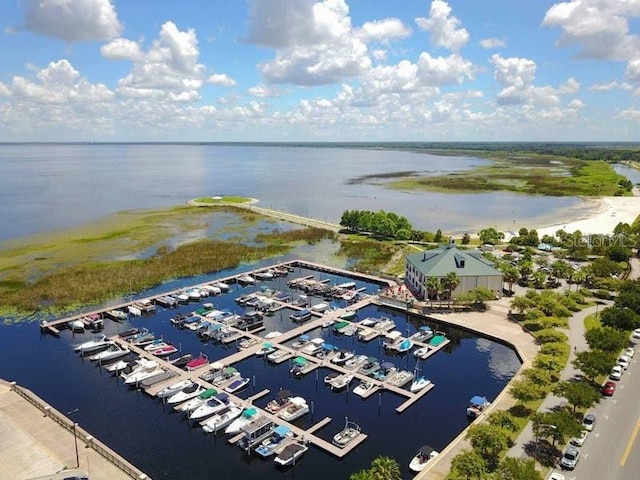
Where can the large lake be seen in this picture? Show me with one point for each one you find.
(44, 187)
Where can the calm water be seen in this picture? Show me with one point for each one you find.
(44, 187)
(165, 445)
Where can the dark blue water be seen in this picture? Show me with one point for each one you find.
(165, 445)
(45, 187)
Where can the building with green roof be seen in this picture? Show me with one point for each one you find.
(470, 267)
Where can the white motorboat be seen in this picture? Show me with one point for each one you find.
(195, 402)
(142, 374)
(186, 393)
(348, 434)
(270, 444)
(117, 366)
(246, 279)
(267, 348)
(477, 405)
(212, 289)
(111, 353)
(313, 347)
(174, 388)
(422, 352)
(342, 356)
(320, 307)
(291, 454)
(341, 382)
(246, 417)
(194, 294)
(277, 356)
(97, 343)
(222, 286)
(221, 419)
(297, 408)
(420, 459)
(133, 310)
(140, 364)
(271, 335)
(419, 383)
(364, 387)
(237, 385)
(213, 405)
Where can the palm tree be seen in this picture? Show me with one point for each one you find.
(450, 283)
(385, 468)
(511, 276)
(433, 287)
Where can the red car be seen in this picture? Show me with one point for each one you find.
(608, 389)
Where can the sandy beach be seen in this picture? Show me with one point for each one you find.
(609, 212)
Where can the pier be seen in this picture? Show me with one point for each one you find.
(319, 319)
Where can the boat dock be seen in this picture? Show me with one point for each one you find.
(318, 320)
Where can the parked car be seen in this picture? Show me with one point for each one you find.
(556, 476)
(589, 421)
(578, 441)
(629, 352)
(616, 373)
(623, 361)
(608, 389)
(570, 458)
(636, 333)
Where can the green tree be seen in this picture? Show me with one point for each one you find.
(525, 268)
(559, 425)
(438, 238)
(594, 362)
(468, 465)
(361, 475)
(385, 468)
(578, 394)
(620, 318)
(510, 275)
(538, 279)
(618, 253)
(489, 441)
(433, 288)
(518, 469)
(450, 283)
(560, 269)
(520, 304)
(607, 339)
(466, 239)
(490, 235)
(503, 419)
(526, 391)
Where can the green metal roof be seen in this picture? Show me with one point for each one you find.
(440, 262)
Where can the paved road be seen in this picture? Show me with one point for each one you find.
(612, 451)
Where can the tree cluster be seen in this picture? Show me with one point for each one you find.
(380, 224)
(625, 313)
(382, 468)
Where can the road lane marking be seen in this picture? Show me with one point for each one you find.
(627, 450)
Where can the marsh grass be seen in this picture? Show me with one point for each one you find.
(369, 255)
(536, 175)
(227, 199)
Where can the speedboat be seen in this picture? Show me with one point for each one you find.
(348, 314)
(355, 362)
(420, 460)
(237, 385)
(194, 294)
(145, 337)
(213, 405)
(477, 405)
(313, 347)
(117, 366)
(342, 356)
(278, 403)
(174, 388)
(266, 349)
(117, 315)
(400, 379)
(158, 343)
(199, 362)
(419, 383)
(186, 393)
(196, 401)
(291, 454)
(221, 419)
(111, 353)
(341, 382)
(297, 408)
(139, 364)
(422, 352)
(129, 333)
(277, 356)
(423, 335)
(97, 343)
(301, 315)
(330, 377)
(181, 361)
(246, 279)
(404, 346)
(268, 445)
(246, 417)
(320, 307)
(142, 374)
(348, 434)
(364, 387)
(272, 335)
(164, 351)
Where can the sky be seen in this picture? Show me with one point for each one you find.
(332, 70)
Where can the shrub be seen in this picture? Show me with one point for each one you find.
(603, 294)
(549, 335)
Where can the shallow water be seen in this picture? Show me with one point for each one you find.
(45, 187)
(165, 445)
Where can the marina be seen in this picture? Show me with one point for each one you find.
(290, 340)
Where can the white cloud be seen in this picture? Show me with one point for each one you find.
(121, 49)
(168, 70)
(575, 104)
(383, 30)
(613, 85)
(445, 29)
(599, 27)
(440, 71)
(491, 43)
(516, 76)
(315, 42)
(633, 70)
(630, 113)
(263, 91)
(4, 90)
(222, 80)
(72, 20)
(379, 54)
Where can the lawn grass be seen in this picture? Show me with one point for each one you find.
(225, 199)
(591, 322)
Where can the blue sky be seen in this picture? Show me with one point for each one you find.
(333, 70)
